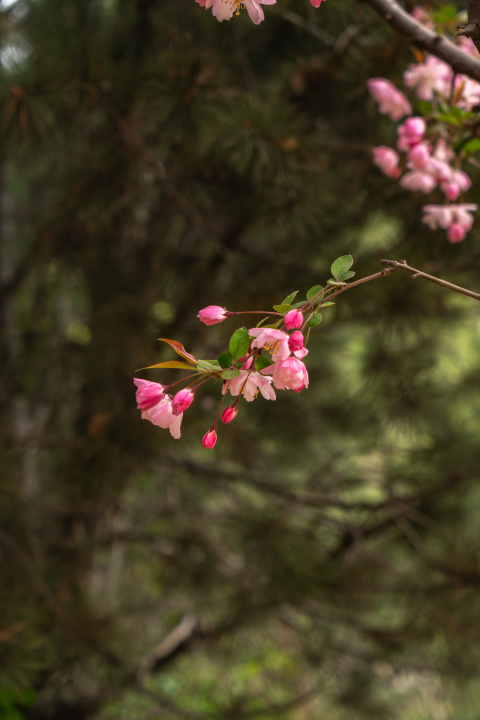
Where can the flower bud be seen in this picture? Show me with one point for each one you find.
(248, 362)
(456, 233)
(182, 401)
(229, 414)
(149, 393)
(209, 439)
(295, 341)
(293, 320)
(212, 314)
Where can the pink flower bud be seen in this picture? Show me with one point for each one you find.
(419, 156)
(209, 439)
(456, 233)
(293, 320)
(212, 314)
(410, 133)
(387, 160)
(149, 393)
(182, 401)
(315, 3)
(295, 341)
(229, 414)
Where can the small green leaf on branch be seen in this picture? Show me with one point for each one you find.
(327, 304)
(262, 362)
(314, 320)
(283, 308)
(225, 360)
(335, 282)
(315, 290)
(180, 350)
(229, 374)
(289, 299)
(471, 146)
(346, 275)
(341, 265)
(239, 343)
(208, 366)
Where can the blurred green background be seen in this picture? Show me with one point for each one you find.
(322, 562)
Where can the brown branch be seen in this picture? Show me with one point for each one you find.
(418, 273)
(425, 39)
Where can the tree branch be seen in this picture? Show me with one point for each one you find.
(425, 39)
(418, 273)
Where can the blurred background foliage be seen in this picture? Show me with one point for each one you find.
(323, 560)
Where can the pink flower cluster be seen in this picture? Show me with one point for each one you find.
(224, 9)
(427, 164)
(286, 372)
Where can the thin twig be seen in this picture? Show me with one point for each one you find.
(418, 273)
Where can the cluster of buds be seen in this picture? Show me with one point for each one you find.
(434, 143)
(224, 9)
(261, 359)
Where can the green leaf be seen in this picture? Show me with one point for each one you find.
(347, 275)
(229, 374)
(424, 107)
(274, 325)
(282, 308)
(261, 321)
(239, 343)
(225, 360)
(208, 366)
(289, 299)
(299, 304)
(341, 265)
(471, 146)
(314, 320)
(327, 304)
(335, 282)
(170, 364)
(262, 362)
(313, 291)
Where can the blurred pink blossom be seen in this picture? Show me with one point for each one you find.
(459, 182)
(316, 3)
(390, 100)
(224, 9)
(428, 77)
(410, 133)
(420, 15)
(418, 181)
(387, 160)
(453, 218)
(419, 156)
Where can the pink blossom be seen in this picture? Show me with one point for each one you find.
(316, 3)
(274, 340)
(453, 218)
(295, 345)
(289, 374)
(148, 393)
(418, 181)
(441, 171)
(469, 91)
(209, 439)
(459, 182)
(387, 160)
(212, 314)
(229, 414)
(410, 133)
(418, 156)
(429, 77)
(467, 45)
(248, 361)
(249, 383)
(224, 9)
(421, 15)
(293, 319)
(442, 152)
(182, 401)
(163, 416)
(201, 2)
(390, 101)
